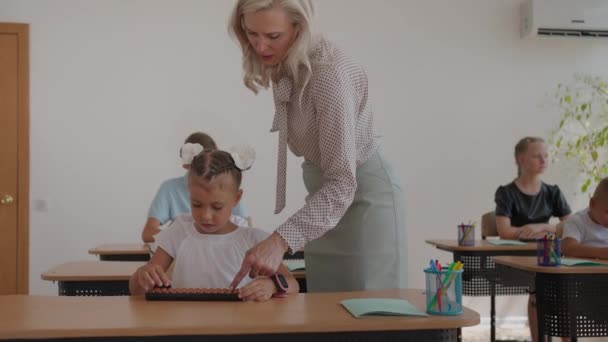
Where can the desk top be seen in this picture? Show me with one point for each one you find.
(530, 264)
(480, 246)
(120, 249)
(92, 271)
(62, 316)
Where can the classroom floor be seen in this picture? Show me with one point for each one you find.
(481, 333)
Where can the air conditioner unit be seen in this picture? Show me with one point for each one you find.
(564, 18)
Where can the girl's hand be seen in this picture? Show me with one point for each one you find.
(149, 276)
(259, 290)
(531, 232)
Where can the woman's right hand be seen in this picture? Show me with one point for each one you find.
(149, 276)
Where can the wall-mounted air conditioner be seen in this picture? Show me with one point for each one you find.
(564, 18)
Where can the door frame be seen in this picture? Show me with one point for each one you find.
(23, 152)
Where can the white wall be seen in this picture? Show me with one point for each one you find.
(116, 85)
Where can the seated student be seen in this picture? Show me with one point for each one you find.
(207, 247)
(172, 198)
(586, 232)
(524, 206)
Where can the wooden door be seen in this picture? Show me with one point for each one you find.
(14, 158)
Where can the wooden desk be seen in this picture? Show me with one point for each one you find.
(93, 278)
(480, 277)
(122, 252)
(301, 317)
(570, 301)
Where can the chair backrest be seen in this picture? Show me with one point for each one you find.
(488, 225)
(559, 229)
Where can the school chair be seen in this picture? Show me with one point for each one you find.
(488, 225)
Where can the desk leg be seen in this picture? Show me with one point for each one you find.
(493, 313)
(540, 322)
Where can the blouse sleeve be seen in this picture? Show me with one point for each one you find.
(336, 105)
(560, 205)
(504, 202)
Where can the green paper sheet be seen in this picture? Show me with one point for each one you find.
(583, 262)
(381, 307)
(295, 264)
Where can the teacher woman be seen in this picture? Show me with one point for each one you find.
(352, 227)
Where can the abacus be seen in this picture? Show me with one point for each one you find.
(192, 294)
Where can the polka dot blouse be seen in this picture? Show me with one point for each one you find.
(331, 124)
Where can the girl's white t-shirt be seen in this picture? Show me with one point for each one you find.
(206, 260)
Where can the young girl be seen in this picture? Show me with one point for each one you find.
(172, 198)
(524, 206)
(206, 246)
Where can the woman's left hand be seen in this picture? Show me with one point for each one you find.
(262, 259)
(259, 290)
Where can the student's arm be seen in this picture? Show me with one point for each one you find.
(151, 228)
(536, 230)
(151, 274)
(505, 230)
(262, 288)
(572, 248)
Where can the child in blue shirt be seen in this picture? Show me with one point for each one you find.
(173, 199)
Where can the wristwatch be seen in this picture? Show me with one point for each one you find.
(280, 283)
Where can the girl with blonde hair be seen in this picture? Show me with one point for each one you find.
(524, 206)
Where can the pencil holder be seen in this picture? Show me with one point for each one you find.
(549, 251)
(443, 292)
(466, 235)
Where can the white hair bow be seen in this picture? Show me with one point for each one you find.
(243, 156)
(189, 151)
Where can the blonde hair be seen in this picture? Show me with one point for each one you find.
(522, 146)
(297, 64)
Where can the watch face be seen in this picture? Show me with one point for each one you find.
(282, 280)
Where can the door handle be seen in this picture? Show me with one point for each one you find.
(6, 200)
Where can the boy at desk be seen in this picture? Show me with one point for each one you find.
(586, 232)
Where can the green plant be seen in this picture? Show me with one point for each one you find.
(582, 133)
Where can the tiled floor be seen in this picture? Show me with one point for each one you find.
(481, 333)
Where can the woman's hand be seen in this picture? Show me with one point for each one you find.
(259, 290)
(262, 259)
(149, 276)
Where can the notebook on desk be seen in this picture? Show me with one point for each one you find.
(583, 262)
(295, 264)
(503, 242)
(359, 307)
